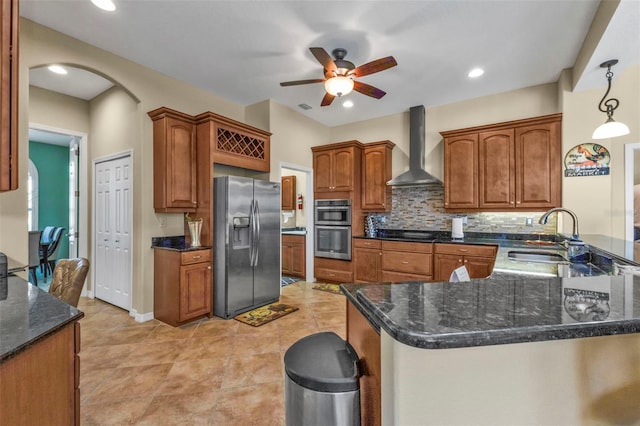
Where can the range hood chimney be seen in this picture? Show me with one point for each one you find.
(416, 175)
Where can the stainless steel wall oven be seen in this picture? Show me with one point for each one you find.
(333, 229)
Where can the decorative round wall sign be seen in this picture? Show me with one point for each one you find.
(587, 159)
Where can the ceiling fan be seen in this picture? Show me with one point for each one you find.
(340, 75)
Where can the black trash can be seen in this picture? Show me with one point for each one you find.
(321, 382)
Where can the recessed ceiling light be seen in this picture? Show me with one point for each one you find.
(476, 72)
(58, 69)
(347, 104)
(107, 5)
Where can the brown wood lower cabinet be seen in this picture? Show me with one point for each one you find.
(182, 285)
(478, 259)
(40, 385)
(294, 256)
(366, 342)
(367, 259)
(333, 270)
(406, 261)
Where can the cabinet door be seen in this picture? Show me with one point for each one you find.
(538, 165)
(298, 260)
(376, 171)
(342, 169)
(478, 267)
(9, 95)
(444, 265)
(461, 172)
(322, 171)
(195, 290)
(286, 258)
(496, 169)
(181, 160)
(367, 265)
(288, 191)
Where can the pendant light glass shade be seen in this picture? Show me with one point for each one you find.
(339, 86)
(610, 129)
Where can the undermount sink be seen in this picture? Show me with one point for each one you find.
(537, 256)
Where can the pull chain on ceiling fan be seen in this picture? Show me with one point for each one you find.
(340, 75)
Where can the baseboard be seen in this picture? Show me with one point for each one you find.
(141, 317)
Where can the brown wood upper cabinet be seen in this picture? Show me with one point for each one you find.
(504, 167)
(376, 171)
(288, 190)
(336, 166)
(9, 95)
(174, 161)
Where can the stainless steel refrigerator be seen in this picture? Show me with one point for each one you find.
(246, 270)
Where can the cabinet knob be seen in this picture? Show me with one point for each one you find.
(209, 267)
(517, 202)
(404, 262)
(463, 250)
(194, 202)
(465, 261)
(332, 275)
(197, 257)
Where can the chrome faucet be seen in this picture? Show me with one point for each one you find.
(575, 245)
(545, 216)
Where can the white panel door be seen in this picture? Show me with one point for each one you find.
(113, 214)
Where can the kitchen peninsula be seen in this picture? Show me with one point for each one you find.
(515, 348)
(39, 363)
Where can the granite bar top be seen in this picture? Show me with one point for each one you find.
(28, 314)
(176, 243)
(520, 302)
(500, 310)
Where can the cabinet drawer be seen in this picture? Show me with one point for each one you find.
(366, 243)
(400, 277)
(400, 261)
(334, 275)
(466, 249)
(293, 239)
(196, 256)
(404, 246)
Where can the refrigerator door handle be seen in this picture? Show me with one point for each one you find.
(252, 220)
(257, 236)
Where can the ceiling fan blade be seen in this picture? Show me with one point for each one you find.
(367, 89)
(328, 98)
(375, 66)
(298, 82)
(323, 57)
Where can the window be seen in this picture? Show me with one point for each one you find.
(32, 203)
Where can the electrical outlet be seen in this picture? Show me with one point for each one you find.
(529, 221)
(163, 221)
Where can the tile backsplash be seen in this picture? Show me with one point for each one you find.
(422, 208)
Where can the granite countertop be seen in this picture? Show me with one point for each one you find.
(176, 243)
(28, 314)
(520, 302)
(294, 231)
(500, 310)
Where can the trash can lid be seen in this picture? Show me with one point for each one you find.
(323, 362)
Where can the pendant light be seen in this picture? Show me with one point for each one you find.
(611, 128)
(339, 85)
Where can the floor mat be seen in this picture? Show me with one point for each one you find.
(265, 314)
(330, 288)
(289, 280)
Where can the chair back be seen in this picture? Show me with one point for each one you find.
(47, 234)
(34, 248)
(55, 243)
(68, 279)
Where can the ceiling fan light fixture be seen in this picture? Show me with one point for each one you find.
(339, 85)
(610, 128)
(107, 5)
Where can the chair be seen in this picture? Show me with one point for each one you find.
(45, 241)
(68, 279)
(52, 252)
(34, 254)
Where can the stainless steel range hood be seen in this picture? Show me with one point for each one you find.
(416, 175)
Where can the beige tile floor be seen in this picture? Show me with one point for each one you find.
(210, 372)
